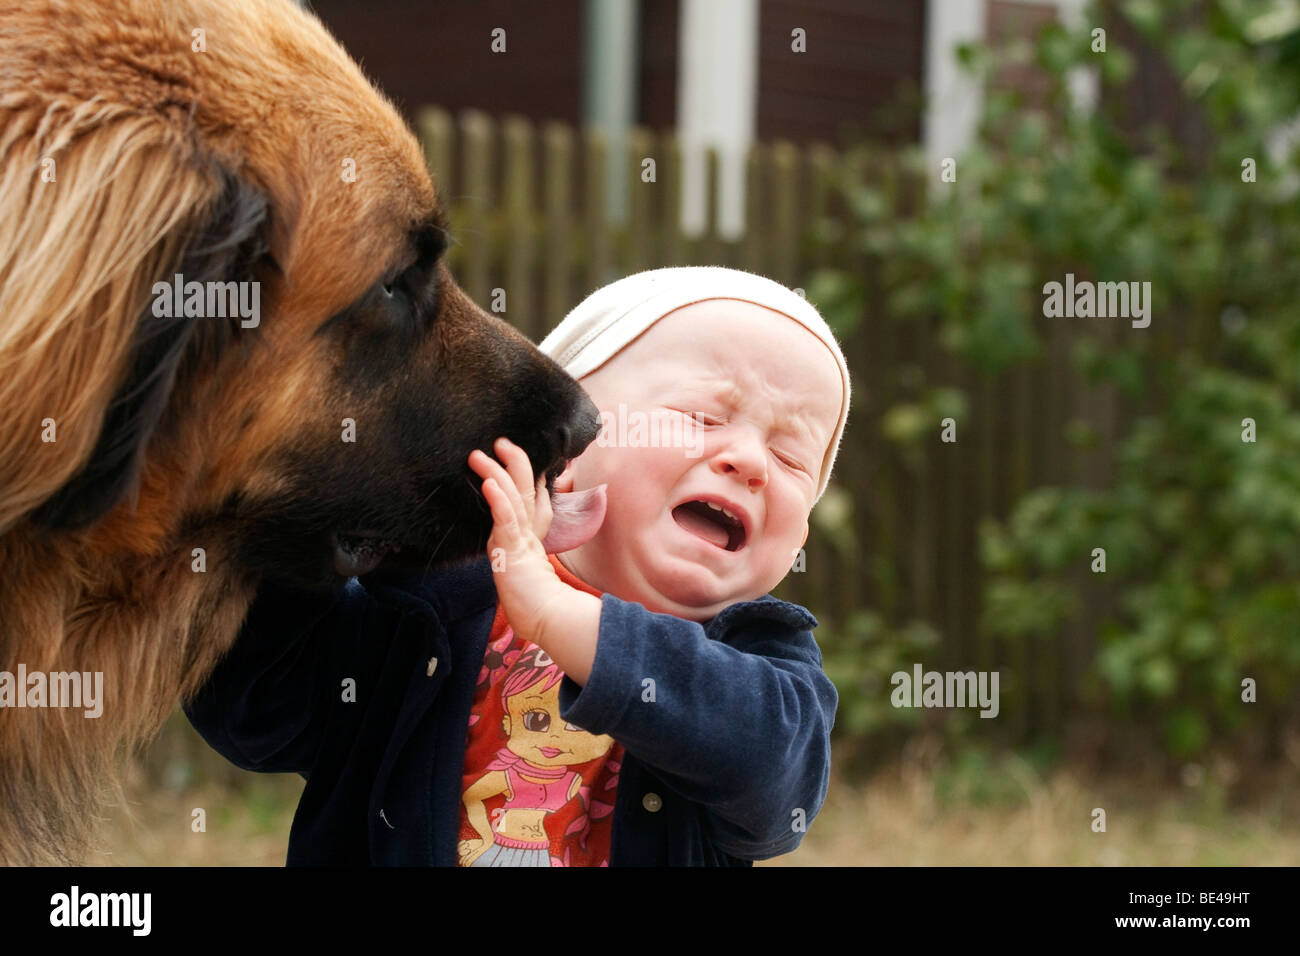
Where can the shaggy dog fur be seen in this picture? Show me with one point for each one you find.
(154, 469)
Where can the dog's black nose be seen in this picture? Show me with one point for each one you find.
(573, 436)
(568, 445)
(574, 440)
(562, 443)
(581, 429)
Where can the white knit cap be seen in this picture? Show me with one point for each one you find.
(609, 319)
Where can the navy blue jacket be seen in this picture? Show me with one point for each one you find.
(727, 764)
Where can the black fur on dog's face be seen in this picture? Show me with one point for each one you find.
(334, 432)
(412, 376)
(425, 376)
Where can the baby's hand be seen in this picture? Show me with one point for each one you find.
(533, 499)
(521, 516)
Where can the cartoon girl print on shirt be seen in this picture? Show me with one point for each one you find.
(531, 769)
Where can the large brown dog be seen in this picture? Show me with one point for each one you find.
(219, 141)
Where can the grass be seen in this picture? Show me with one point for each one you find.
(907, 818)
(975, 811)
(242, 826)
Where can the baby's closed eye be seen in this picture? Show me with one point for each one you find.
(699, 418)
(784, 457)
(792, 462)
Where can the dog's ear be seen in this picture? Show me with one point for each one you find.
(95, 207)
(225, 241)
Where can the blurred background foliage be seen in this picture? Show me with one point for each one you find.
(1201, 530)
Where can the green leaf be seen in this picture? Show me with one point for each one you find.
(1185, 732)
(1145, 14)
(1158, 677)
(906, 424)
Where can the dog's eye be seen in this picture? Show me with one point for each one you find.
(392, 284)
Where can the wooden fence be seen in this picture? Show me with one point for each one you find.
(527, 208)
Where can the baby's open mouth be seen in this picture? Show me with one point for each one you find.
(712, 522)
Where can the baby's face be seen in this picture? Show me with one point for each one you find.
(767, 395)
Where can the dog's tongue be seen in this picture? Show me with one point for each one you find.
(577, 516)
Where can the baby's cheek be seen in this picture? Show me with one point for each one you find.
(644, 471)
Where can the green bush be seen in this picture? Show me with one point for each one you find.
(1201, 529)
(860, 658)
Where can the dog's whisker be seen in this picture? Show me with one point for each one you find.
(434, 552)
(426, 498)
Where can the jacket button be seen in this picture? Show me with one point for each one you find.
(433, 666)
(652, 802)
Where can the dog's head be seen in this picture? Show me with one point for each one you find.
(164, 161)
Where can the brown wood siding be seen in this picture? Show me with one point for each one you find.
(862, 73)
(440, 52)
(657, 87)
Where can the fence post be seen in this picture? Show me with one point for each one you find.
(476, 132)
(437, 136)
(558, 204)
(788, 224)
(711, 247)
(752, 243)
(672, 247)
(597, 220)
(639, 226)
(821, 166)
(519, 224)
